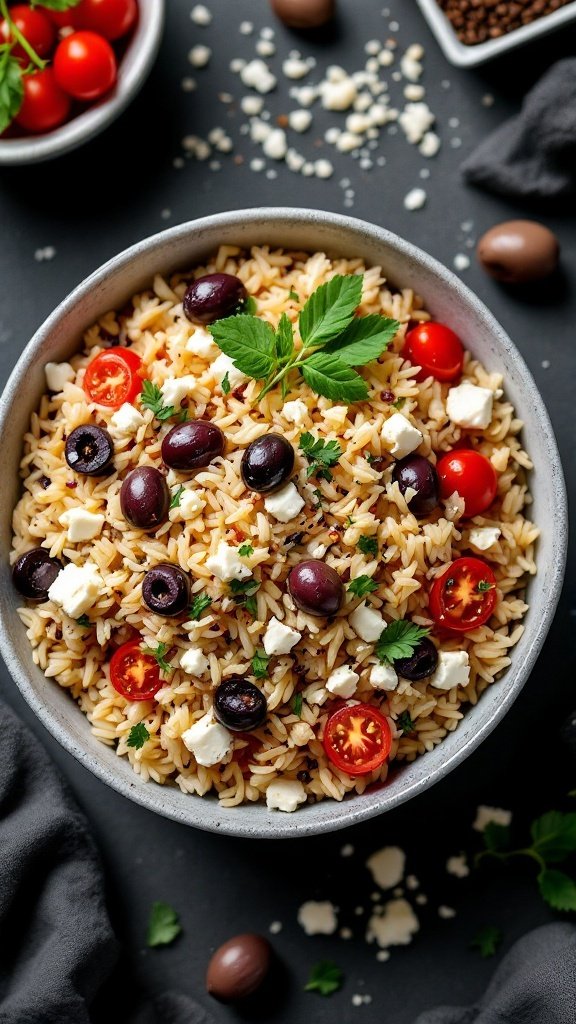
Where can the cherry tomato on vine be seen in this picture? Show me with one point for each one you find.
(36, 28)
(113, 377)
(436, 349)
(357, 739)
(85, 65)
(45, 106)
(472, 475)
(464, 596)
(110, 18)
(134, 673)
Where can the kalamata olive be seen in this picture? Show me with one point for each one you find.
(89, 449)
(519, 251)
(420, 664)
(304, 14)
(34, 573)
(192, 445)
(267, 463)
(315, 587)
(415, 471)
(166, 589)
(238, 968)
(214, 297)
(145, 498)
(240, 705)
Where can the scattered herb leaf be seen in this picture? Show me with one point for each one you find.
(245, 550)
(284, 340)
(483, 586)
(368, 545)
(159, 653)
(399, 403)
(175, 499)
(138, 735)
(260, 663)
(487, 940)
(297, 704)
(225, 385)
(84, 621)
(405, 722)
(349, 521)
(199, 604)
(361, 586)
(244, 594)
(249, 342)
(399, 640)
(250, 306)
(11, 87)
(293, 295)
(554, 836)
(151, 398)
(331, 377)
(319, 497)
(325, 978)
(558, 889)
(320, 454)
(163, 926)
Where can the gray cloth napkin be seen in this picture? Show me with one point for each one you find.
(533, 155)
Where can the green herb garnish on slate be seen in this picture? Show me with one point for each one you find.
(399, 640)
(151, 398)
(325, 978)
(175, 499)
(200, 603)
(158, 653)
(260, 663)
(487, 940)
(361, 586)
(368, 545)
(138, 735)
(320, 454)
(163, 926)
(334, 341)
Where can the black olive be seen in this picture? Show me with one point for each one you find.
(145, 498)
(315, 587)
(166, 589)
(34, 573)
(420, 664)
(267, 463)
(192, 445)
(214, 297)
(240, 705)
(415, 471)
(89, 450)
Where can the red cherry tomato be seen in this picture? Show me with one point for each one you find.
(436, 349)
(113, 377)
(85, 65)
(133, 673)
(45, 106)
(357, 739)
(63, 19)
(464, 596)
(36, 28)
(472, 475)
(110, 18)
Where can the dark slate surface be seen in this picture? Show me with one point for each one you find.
(105, 197)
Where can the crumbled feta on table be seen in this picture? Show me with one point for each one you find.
(395, 927)
(470, 406)
(486, 815)
(278, 638)
(208, 741)
(285, 795)
(76, 588)
(318, 917)
(387, 866)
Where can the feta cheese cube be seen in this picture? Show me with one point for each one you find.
(201, 344)
(484, 537)
(453, 669)
(284, 504)
(295, 412)
(226, 564)
(223, 365)
(209, 741)
(57, 375)
(367, 623)
(470, 406)
(383, 677)
(76, 588)
(285, 795)
(191, 504)
(174, 389)
(126, 419)
(400, 435)
(81, 525)
(194, 662)
(278, 638)
(343, 681)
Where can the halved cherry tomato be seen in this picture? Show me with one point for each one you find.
(436, 349)
(36, 28)
(133, 673)
(113, 377)
(472, 475)
(357, 739)
(464, 596)
(85, 65)
(110, 18)
(45, 106)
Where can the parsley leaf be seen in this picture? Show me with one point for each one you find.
(364, 340)
(320, 454)
(558, 889)
(368, 545)
(297, 704)
(175, 499)
(319, 497)
(84, 621)
(330, 309)
(200, 603)
(361, 586)
(331, 377)
(404, 722)
(484, 585)
(399, 640)
(245, 550)
(249, 341)
(244, 591)
(260, 663)
(163, 926)
(487, 940)
(554, 835)
(325, 978)
(138, 735)
(11, 87)
(158, 653)
(151, 398)
(399, 403)
(225, 385)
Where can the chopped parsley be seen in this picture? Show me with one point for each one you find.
(159, 653)
(399, 640)
(320, 454)
(200, 603)
(325, 978)
(487, 940)
(484, 585)
(368, 545)
(319, 497)
(297, 704)
(175, 499)
(151, 398)
(244, 592)
(225, 385)
(399, 403)
(361, 586)
(84, 621)
(293, 295)
(245, 550)
(260, 663)
(405, 722)
(138, 735)
(349, 521)
(163, 926)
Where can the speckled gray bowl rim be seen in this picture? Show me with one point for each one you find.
(133, 71)
(254, 820)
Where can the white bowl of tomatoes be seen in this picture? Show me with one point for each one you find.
(69, 68)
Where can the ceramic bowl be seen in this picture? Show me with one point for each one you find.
(133, 70)
(449, 300)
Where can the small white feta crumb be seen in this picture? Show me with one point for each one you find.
(199, 56)
(339, 94)
(461, 261)
(295, 412)
(347, 850)
(415, 199)
(257, 164)
(201, 343)
(484, 537)
(275, 928)
(126, 420)
(387, 866)
(191, 504)
(430, 144)
(453, 669)
(226, 564)
(402, 437)
(318, 917)
(412, 882)
(265, 48)
(278, 638)
(385, 58)
(395, 927)
(194, 662)
(295, 162)
(421, 899)
(175, 389)
(470, 406)
(458, 866)
(367, 623)
(200, 15)
(252, 105)
(76, 588)
(208, 741)
(383, 677)
(383, 955)
(415, 120)
(346, 933)
(300, 120)
(347, 141)
(316, 550)
(486, 815)
(323, 169)
(295, 68)
(47, 253)
(285, 795)
(223, 365)
(275, 144)
(284, 504)
(246, 28)
(446, 913)
(414, 93)
(57, 375)
(372, 47)
(81, 525)
(257, 75)
(343, 682)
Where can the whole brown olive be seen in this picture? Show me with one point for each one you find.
(518, 251)
(238, 967)
(304, 13)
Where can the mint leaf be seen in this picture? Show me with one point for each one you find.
(496, 837)
(11, 87)
(297, 704)
(331, 377)
(320, 454)
(200, 603)
(249, 342)
(245, 550)
(325, 978)
(399, 640)
(138, 735)
(361, 586)
(293, 295)
(364, 340)
(175, 499)
(158, 653)
(225, 385)
(558, 889)
(260, 663)
(330, 309)
(163, 926)
(151, 398)
(250, 306)
(368, 545)
(554, 835)
(284, 339)
(487, 940)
